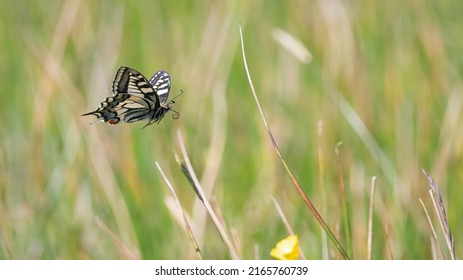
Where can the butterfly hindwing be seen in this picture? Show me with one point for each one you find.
(161, 83)
(108, 109)
(135, 98)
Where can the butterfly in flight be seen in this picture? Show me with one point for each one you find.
(135, 98)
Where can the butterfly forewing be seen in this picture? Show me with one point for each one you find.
(135, 98)
(131, 82)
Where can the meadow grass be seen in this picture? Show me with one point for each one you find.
(384, 78)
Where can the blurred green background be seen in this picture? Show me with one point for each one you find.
(70, 190)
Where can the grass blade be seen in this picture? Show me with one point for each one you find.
(345, 211)
(185, 220)
(197, 186)
(285, 165)
(440, 210)
(123, 248)
(434, 234)
(370, 216)
(287, 225)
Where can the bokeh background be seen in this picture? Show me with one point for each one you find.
(382, 77)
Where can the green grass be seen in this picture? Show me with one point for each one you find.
(396, 64)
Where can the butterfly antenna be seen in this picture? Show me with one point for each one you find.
(175, 115)
(172, 100)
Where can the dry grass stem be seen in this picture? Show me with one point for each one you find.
(364, 134)
(370, 216)
(345, 212)
(388, 243)
(123, 248)
(287, 225)
(180, 208)
(218, 223)
(434, 234)
(441, 214)
(288, 171)
(322, 186)
(236, 241)
(292, 45)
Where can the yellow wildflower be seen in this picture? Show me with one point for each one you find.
(286, 249)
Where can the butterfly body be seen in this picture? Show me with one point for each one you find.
(135, 98)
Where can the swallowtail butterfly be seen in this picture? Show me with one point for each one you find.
(135, 98)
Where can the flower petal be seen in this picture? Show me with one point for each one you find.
(286, 249)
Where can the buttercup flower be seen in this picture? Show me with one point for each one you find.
(286, 249)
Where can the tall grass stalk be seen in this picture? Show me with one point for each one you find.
(180, 208)
(127, 252)
(370, 217)
(345, 211)
(290, 174)
(439, 207)
(220, 224)
(433, 231)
